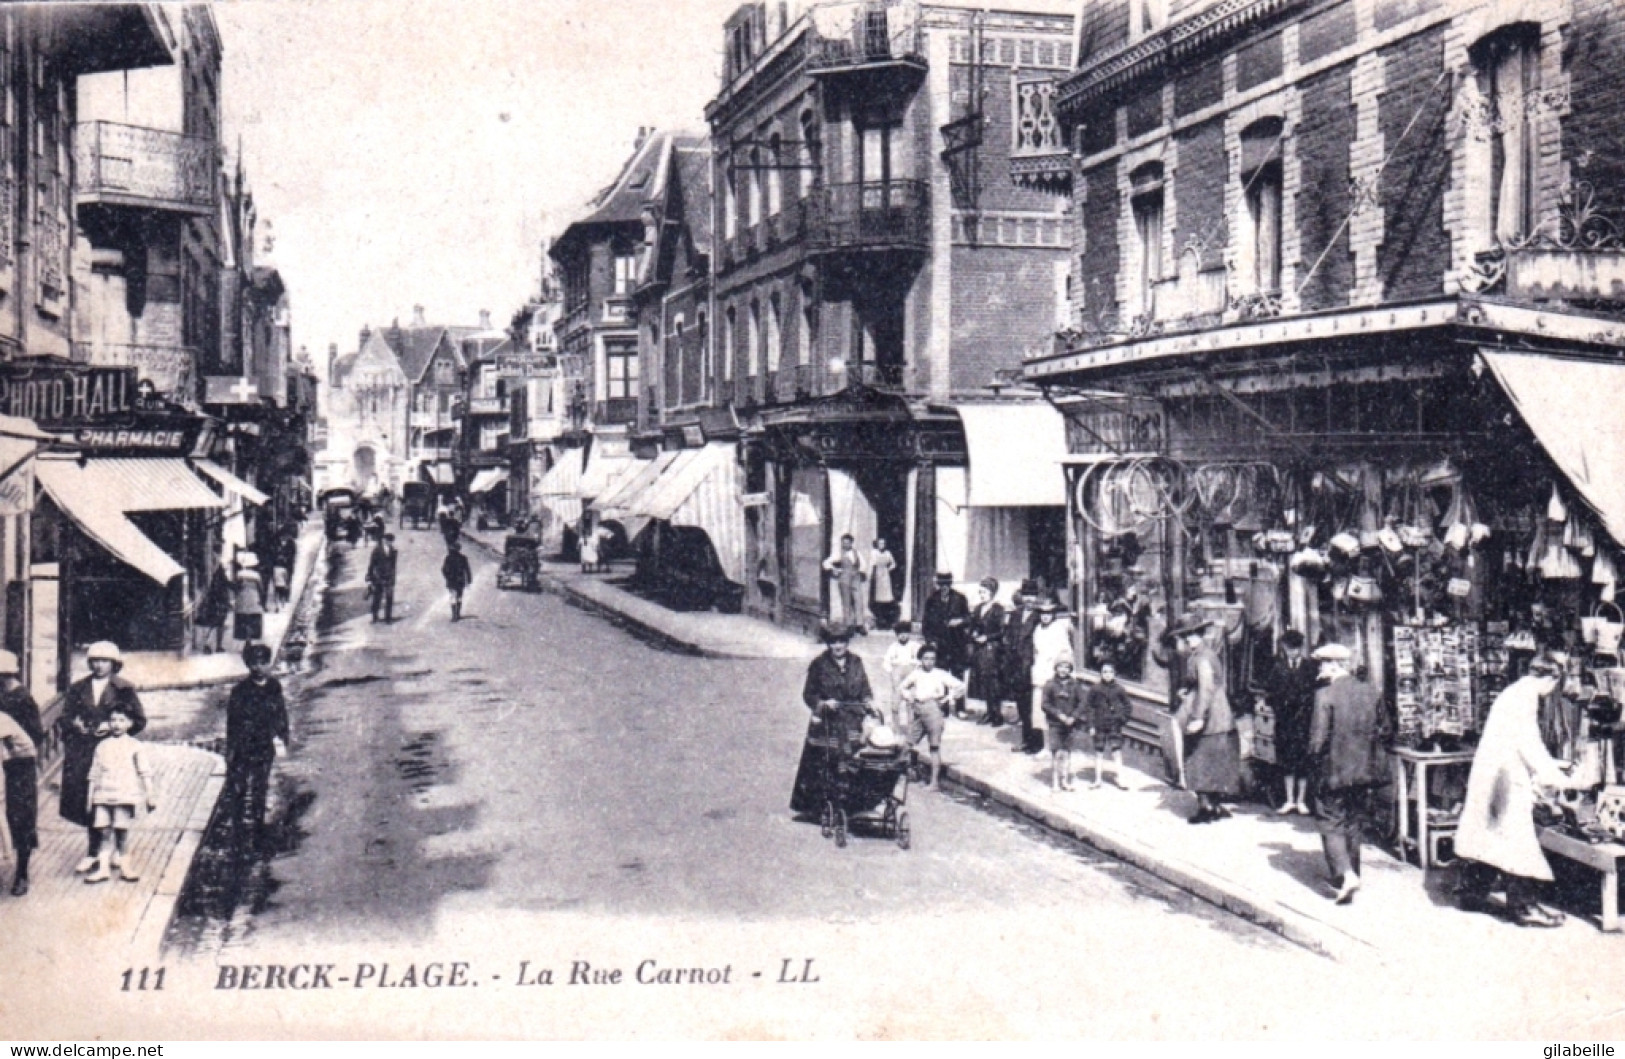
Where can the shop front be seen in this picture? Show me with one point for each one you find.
(1441, 503)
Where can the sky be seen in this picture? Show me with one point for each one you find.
(416, 152)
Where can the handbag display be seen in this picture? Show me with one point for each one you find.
(1611, 812)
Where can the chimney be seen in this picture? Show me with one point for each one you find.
(643, 136)
(485, 319)
(417, 317)
(366, 333)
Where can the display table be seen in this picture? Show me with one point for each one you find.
(1407, 762)
(1602, 857)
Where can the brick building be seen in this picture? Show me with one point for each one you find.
(876, 271)
(1341, 267)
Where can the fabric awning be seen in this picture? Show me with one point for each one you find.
(564, 477)
(600, 473)
(488, 480)
(713, 504)
(100, 493)
(438, 473)
(685, 474)
(230, 482)
(1015, 449)
(617, 502)
(18, 427)
(1572, 407)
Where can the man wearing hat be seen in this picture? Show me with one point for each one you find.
(1018, 655)
(381, 577)
(20, 737)
(256, 717)
(85, 709)
(1348, 739)
(942, 621)
(1208, 727)
(836, 682)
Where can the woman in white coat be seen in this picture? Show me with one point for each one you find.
(1496, 837)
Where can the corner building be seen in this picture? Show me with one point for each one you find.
(1344, 353)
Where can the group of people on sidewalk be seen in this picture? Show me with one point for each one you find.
(238, 590)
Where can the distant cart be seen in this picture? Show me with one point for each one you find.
(417, 505)
(521, 563)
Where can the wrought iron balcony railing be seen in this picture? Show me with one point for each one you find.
(891, 215)
(875, 34)
(616, 410)
(125, 165)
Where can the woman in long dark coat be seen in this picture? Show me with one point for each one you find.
(986, 634)
(835, 678)
(1212, 748)
(85, 709)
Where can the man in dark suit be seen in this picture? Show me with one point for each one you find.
(256, 717)
(942, 622)
(1347, 745)
(381, 577)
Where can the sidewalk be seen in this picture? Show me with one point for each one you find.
(162, 845)
(1265, 868)
(155, 670)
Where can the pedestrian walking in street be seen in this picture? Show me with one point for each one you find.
(986, 632)
(1052, 641)
(458, 576)
(882, 588)
(1348, 750)
(1290, 692)
(381, 577)
(835, 679)
(1017, 659)
(930, 693)
(1211, 747)
(120, 779)
(942, 623)
(256, 720)
(86, 707)
(277, 598)
(248, 601)
(214, 609)
(451, 524)
(1496, 836)
(1109, 711)
(1066, 715)
(845, 567)
(902, 657)
(20, 737)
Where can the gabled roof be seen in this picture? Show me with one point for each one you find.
(693, 175)
(415, 347)
(342, 366)
(641, 183)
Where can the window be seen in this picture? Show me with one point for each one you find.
(775, 188)
(1147, 206)
(775, 330)
(621, 369)
(1259, 257)
(730, 208)
(875, 154)
(753, 341)
(814, 160)
(673, 361)
(1147, 16)
(730, 325)
(1508, 76)
(626, 274)
(808, 331)
(753, 194)
(703, 338)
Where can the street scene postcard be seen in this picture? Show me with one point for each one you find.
(813, 520)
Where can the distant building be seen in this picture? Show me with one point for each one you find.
(368, 397)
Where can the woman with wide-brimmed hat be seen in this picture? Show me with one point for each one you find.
(986, 634)
(85, 710)
(836, 680)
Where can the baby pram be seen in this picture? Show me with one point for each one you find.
(865, 786)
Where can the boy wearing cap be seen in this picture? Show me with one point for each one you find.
(20, 736)
(381, 577)
(1348, 746)
(256, 719)
(930, 693)
(87, 707)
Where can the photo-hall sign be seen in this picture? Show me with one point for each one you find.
(100, 407)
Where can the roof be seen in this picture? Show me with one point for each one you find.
(342, 367)
(415, 347)
(640, 183)
(694, 185)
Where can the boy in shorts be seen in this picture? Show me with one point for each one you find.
(901, 659)
(1064, 706)
(930, 693)
(119, 777)
(1109, 711)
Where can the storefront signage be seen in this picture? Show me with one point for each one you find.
(755, 499)
(1100, 428)
(61, 396)
(134, 440)
(526, 365)
(693, 436)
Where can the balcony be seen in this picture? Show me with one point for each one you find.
(430, 420)
(617, 310)
(870, 217)
(869, 49)
(124, 166)
(1040, 158)
(616, 410)
(168, 368)
(433, 452)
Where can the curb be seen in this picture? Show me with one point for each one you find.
(160, 911)
(1304, 931)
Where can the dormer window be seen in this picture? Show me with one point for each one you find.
(1147, 16)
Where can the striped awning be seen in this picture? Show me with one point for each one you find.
(621, 500)
(601, 472)
(100, 493)
(713, 504)
(230, 482)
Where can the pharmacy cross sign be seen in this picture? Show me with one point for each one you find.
(243, 390)
(230, 389)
